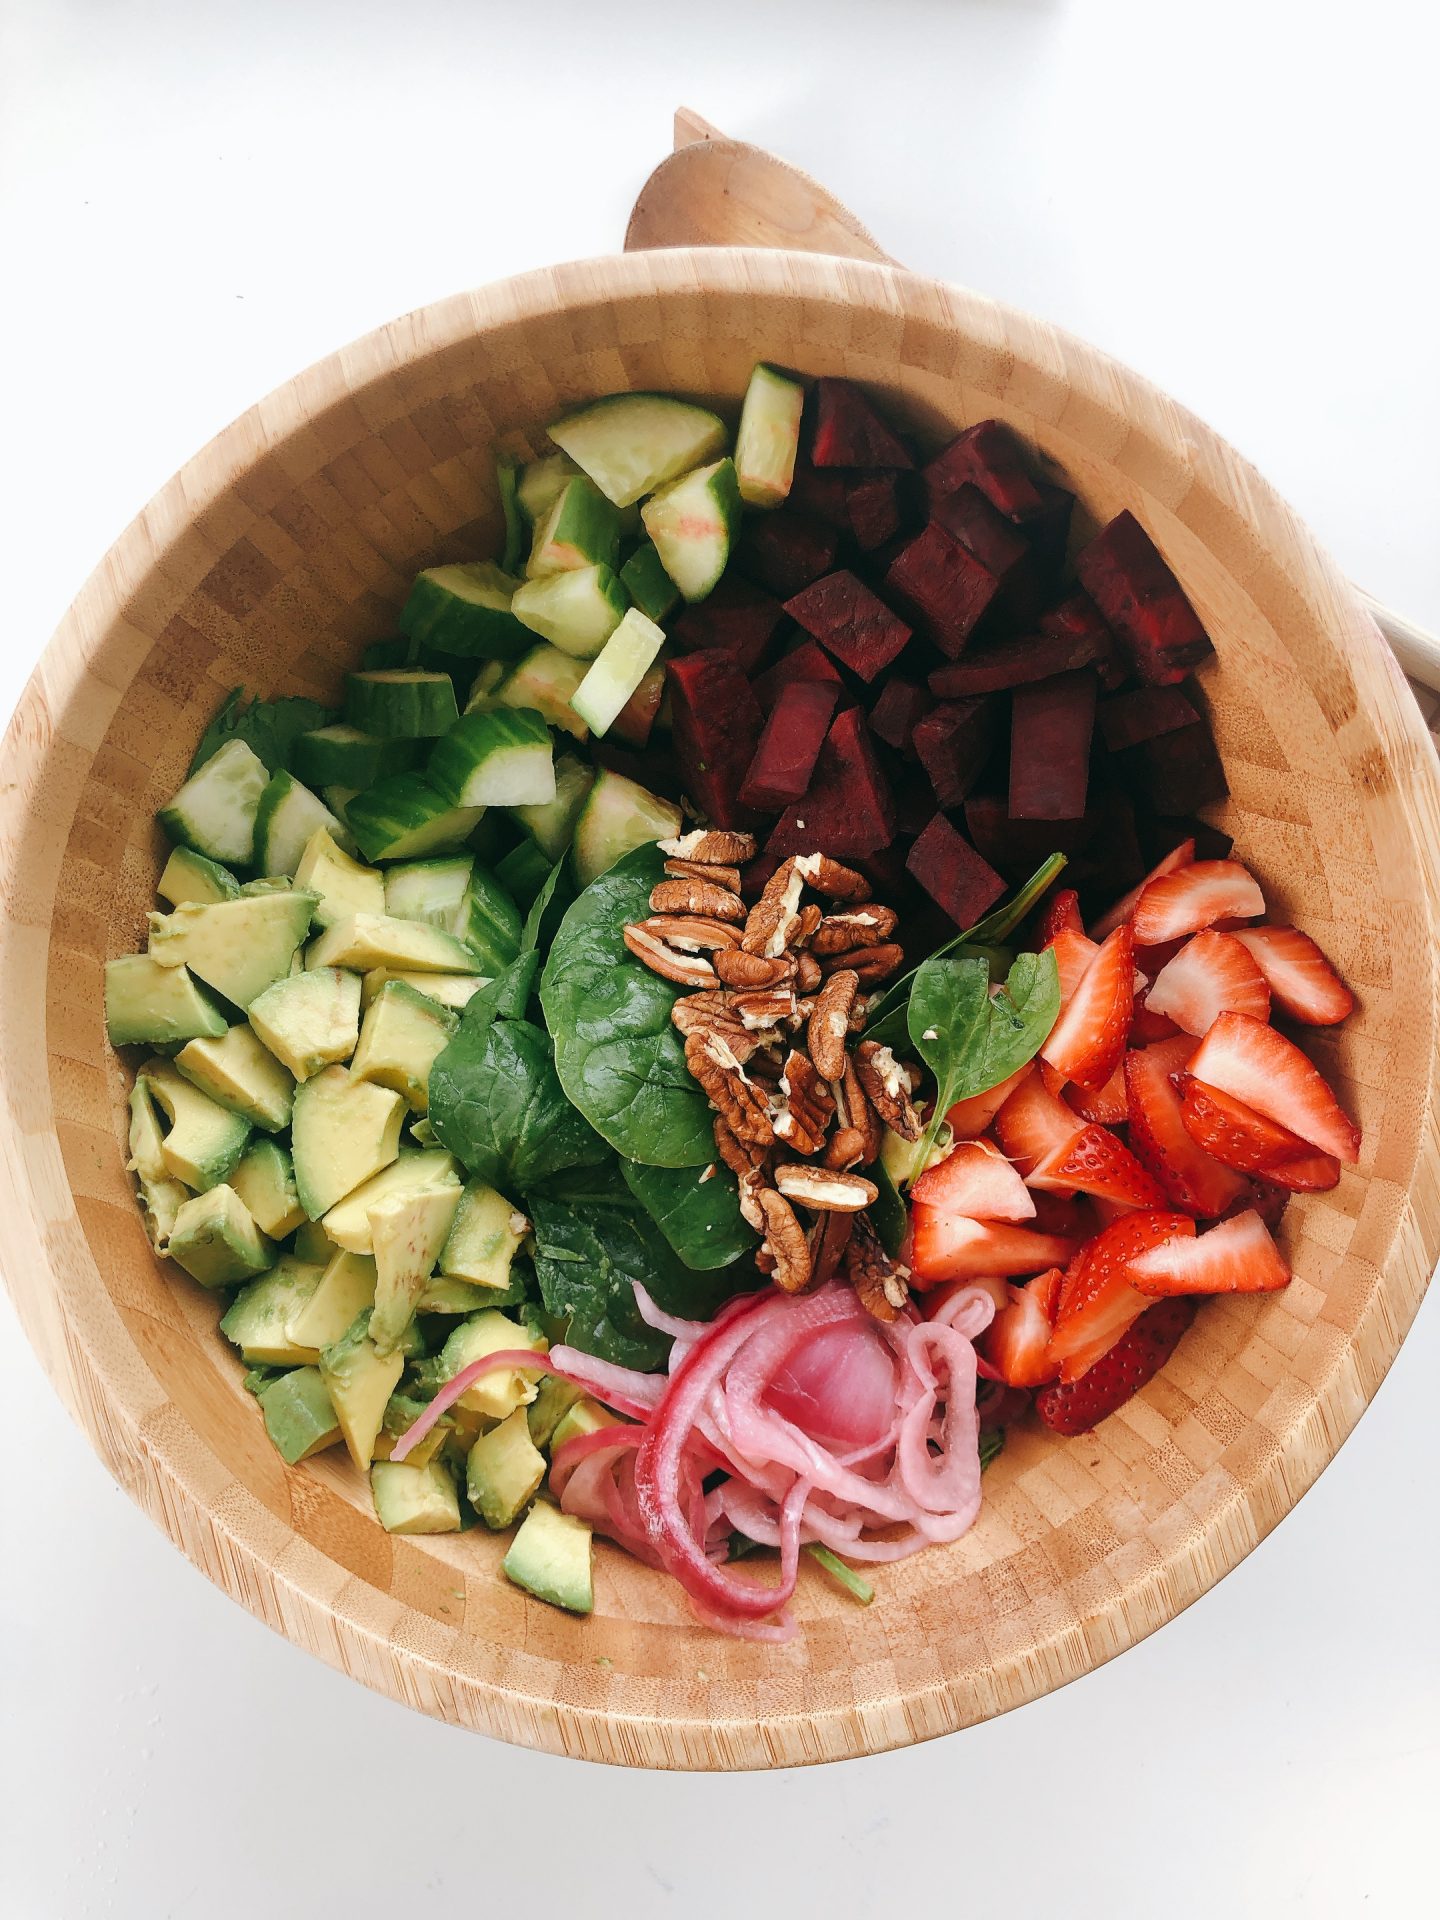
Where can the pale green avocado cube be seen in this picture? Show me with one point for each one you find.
(407, 1232)
(367, 940)
(238, 947)
(361, 1382)
(453, 990)
(259, 1316)
(241, 1074)
(444, 1295)
(309, 1020)
(204, 1141)
(311, 1242)
(401, 1413)
(154, 1005)
(344, 1130)
(215, 1240)
(550, 1557)
(504, 1471)
(554, 1398)
(189, 878)
(348, 1224)
(346, 1290)
(299, 1414)
(161, 1195)
(342, 885)
(265, 1181)
(402, 1036)
(484, 1238)
(415, 1499)
(498, 1393)
(586, 1416)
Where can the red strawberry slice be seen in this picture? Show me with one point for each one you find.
(1210, 975)
(1061, 914)
(947, 1246)
(1016, 1340)
(1235, 1256)
(1095, 1162)
(1068, 1214)
(1073, 956)
(977, 1180)
(1233, 1133)
(1316, 1173)
(1269, 1202)
(969, 1118)
(1178, 857)
(1098, 1303)
(1108, 1106)
(1193, 898)
(1134, 1360)
(1147, 1027)
(1304, 983)
(1253, 1063)
(1033, 1124)
(1087, 1042)
(1160, 1140)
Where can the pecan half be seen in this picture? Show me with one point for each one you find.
(711, 847)
(878, 1282)
(688, 933)
(806, 1106)
(887, 1087)
(865, 926)
(807, 973)
(830, 1023)
(685, 969)
(736, 968)
(827, 876)
(727, 877)
(846, 1149)
(765, 1066)
(768, 928)
(765, 1007)
(787, 883)
(829, 1238)
(785, 1240)
(824, 1190)
(811, 919)
(870, 964)
(715, 1012)
(696, 896)
(713, 1062)
(854, 1110)
(752, 1184)
(740, 1159)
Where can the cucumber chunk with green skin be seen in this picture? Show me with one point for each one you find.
(214, 812)
(265, 1181)
(414, 1499)
(399, 651)
(161, 1195)
(189, 878)
(544, 681)
(238, 947)
(550, 1557)
(310, 1019)
(348, 1223)
(342, 885)
(617, 671)
(156, 1006)
(618, 816)
(693, 523)
(346, 1289)
(401, 703)
(539, 482)
(504, 1471)
(507, 487)
(299, 1415)
(429, 890)
(486, 685)
(368, 940)
(580, 528)
(215, 1240)
(644, 578)
(768, 437)
(404, 817)
(258, 1318)
(285, 820)
(576, 611)
(488, 921)
(523, 871)
(344, 1131)
(631, 443)
(407, 1232)
(342, 756)
(242, 1074)
(551, 824)
(464, 611)
(402, 1036)
(204, 1141)
(502, 758)
(361, 1382)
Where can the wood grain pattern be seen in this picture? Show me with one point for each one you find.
(286, 544)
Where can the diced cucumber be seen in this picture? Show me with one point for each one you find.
(693, 522)
(618, 816)
(523, 872)
(544, 680)
(507, 487)
(485, 685)
(342, 885)
(404, 817)
(286, 818)
(382, 654)
(414, 1499)
(580, 529)
(617, 670)
(576, 611)
(644, 578)
(401, 703)
(157, 1006)
(214, 812)
(190, 878)
(768, 437)
(631, 443)
(238, 947)
(552, 822)
(338, 800)
(429, 890)
(446, 989)
(500, 758)
(368, 940)
(342, 756)
(464, 611)
(488, 921)
(540, 480)
(241, 1074)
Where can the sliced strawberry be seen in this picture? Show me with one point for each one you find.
(1016, 1340)
(1087, 1042)
(1095, 1162)
(1073, 956)
(977, 1180)
(1235, 1256)
(1210, 975)
(1193, 898)
(1098, 1302)
(1316, 1173)
(1233, 1133)
(1147, 1027)
(1178, 857)
(1253, 1063)
(1133, 1361)
(1107, 1212)
(1068, 1214)
(1304, 983)
(1269, 1202)
(1033, 1123)
(947, 1246)
(969, 1118)
(1158, 1136)
(1062, 913)
(1107, 1106)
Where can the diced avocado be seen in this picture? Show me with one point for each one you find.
(190, 879)
(369, 940)
(204, 1141)
(618, 816)
(554, 1398)
(348, 1224)
(299, 1415)
(504, 1471)
(585, 1416)
(693, 521)
(309, 1020)
(400, 1040)
(540, 480)
(580, 528)
(241, 1074)
(311, 1241)
(288, 816)
(576, 612)
(617, 671)
(215, 1240)
(483, 1240)
(550, 1557)
(445, 1295)
(344, 1130)
(543, 682)
(265, 1181)
(401, 1413)
(260, 1314)
(552, 824)
(158, 1006)
(631, 443)
(768, 437)
(361, 1381)
(452, 990)
(346, 1288)
(500, 1392)
(342, 886)
(238, 947)
(407, 1232)
(429, 890)
(161, 1195)
(214, 812)
(415, 1499)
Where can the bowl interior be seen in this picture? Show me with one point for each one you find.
(288, 544)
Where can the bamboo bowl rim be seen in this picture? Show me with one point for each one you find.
(105, 1377)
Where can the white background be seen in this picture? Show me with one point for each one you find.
(198, 199)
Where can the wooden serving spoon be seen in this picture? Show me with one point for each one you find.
(716, 192)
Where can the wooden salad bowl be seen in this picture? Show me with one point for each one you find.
(271, 559)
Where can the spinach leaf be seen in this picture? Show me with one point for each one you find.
(700, 1218)
(269, 728)
(618, 1056)
(992, 1445)
(888, 1214)
(496, 1104)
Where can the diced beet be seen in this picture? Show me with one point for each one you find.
(1048, 531)
(822, 493)
(1078, 618)
(873, 508)
(989, 535)
(805, 661)
(848, 432)
(893, 716)
(1159, 836)
(850, 622)
(1016, 847)
(1127, 577)
(953, 873)
(716, 722)
(990, 457)
(736, 616)
(656, 767)
(1050, 728)
(886, 872)
(993, 666)
(914, 802)
(785, 551)
(756, 874)
(943, 585)
(1112, 863)
(953, 743)
(849, 809)
(790, 745)
(1132, 717)
(1178, 772)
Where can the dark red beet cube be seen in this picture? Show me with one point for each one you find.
(790, 745)
(823, 493)
(989, 456)
(993, 666)
(1130, 718)
(849, 432)
(953, 873)
(1178, 772)
(873, 508)
(850, 622)
(785, 551)
(1112, 863)
(1078, 618)
(1048, 531)
(803, 662)
(716, 722)
(1050, 728)
(736, 616)
(893, 716)
(1139, 597)
(989, 535)
(1016, 847)
(943, 585)
(849, 809)
(953, 743)
(886, 873)
(654, 767)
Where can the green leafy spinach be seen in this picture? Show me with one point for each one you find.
(496, 1104)
(269, 728)
(700, 1218)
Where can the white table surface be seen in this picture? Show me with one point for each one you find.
(196, 200)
